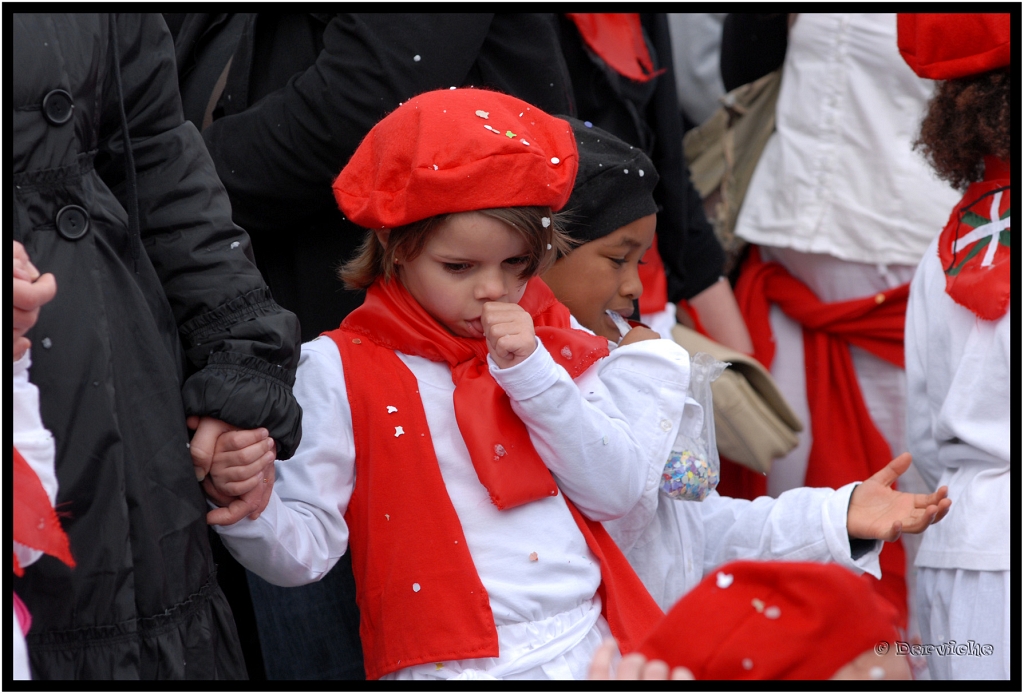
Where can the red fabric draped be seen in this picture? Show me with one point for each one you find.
(498, 441)
(35, 522)
(846, 445)
(618, 39)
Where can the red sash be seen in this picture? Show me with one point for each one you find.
(420, 597)
(846, 445)
(35, 522)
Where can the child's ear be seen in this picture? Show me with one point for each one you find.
(382, 235)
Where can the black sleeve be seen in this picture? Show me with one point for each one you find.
(691, 252)
(243, 346)
(753, 44)
(279, 156)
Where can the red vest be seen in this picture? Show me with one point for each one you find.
(420, 597)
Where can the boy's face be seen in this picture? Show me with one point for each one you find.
(468, 260)
(602, 275)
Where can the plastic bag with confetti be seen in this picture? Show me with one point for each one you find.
(692, 470)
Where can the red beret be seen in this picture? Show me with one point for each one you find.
(772, 620)
(948, 46)
(457, 150)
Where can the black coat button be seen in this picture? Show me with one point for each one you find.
(57, 107)
(72, 222)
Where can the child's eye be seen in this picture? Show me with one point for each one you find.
(456, 268)
(518, 260)
(618, 261)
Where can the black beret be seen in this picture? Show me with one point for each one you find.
(614, 184)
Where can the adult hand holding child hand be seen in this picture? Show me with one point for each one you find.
(236, 467)
(509, 332)
(879, 512)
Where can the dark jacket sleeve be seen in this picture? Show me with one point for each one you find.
(242, 346)
(753, 44)
(308, 129)
(687, 243)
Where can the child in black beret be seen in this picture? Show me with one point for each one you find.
(673, 542)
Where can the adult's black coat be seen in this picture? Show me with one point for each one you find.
(646, 115)
(160, 312)
(301, 93)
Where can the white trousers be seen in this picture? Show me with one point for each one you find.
(964, 606)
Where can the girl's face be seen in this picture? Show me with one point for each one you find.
(602, 275)
(469, 259)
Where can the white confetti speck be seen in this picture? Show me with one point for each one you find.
(399, 431)
(588, 124)
(42, 524)
(416, 58)
(499, 451)
(387, 516)
(625, 171)
(392, 409)
(758, 604)
(604, 440)
(415, 587)
(748, 664)
(555, 160)
(545, 222)
(520, 115)
(772, 612)
(435, 167)
(482, 114)
(525, 142)
(723, 580)
(47, 343)
(452, 88)
(641, 172)
(566, 352)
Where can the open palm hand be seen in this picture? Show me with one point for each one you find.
(879, 512)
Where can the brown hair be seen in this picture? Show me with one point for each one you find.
(968, 118)
(373, 260)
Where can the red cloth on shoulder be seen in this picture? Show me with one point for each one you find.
(498, 441)
(35, 522)
(618, 38)
(846, 445)
(974, 248)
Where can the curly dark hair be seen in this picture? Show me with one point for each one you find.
(968, 118)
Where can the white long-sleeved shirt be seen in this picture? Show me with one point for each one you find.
(598, 457)
(840, 175)
(958, 422)
(673, 544)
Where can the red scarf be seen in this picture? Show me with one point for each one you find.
(846, 445)
(974, 248)
(618, 39)
(35, 522)
(498, 441)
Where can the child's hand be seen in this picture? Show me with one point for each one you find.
(638, 334)
(236, 467)
(878, 512)
(508, 329)
(30, 292)
(632, 667)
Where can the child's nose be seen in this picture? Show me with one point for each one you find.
(492, 286)
(631, 286)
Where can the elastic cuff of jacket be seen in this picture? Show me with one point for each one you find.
(248, 306)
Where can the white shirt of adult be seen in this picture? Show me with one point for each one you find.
(839, 175)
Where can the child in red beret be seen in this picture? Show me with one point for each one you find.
(457, 435)
(771, 621)
(672, 543)
(958, 348)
